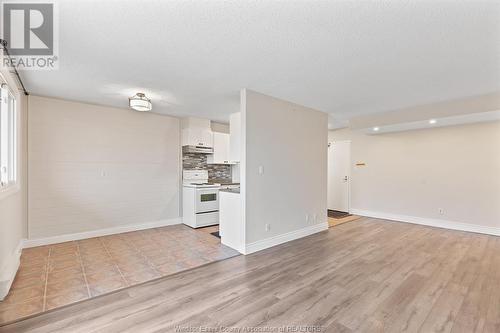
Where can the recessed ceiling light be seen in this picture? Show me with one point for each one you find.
(432, 121)
(376, 129)
(139, 102)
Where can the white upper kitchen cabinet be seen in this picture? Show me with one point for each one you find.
(235, 137)
(196, 132)
(197, 137)
(221, 149)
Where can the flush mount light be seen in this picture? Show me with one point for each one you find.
(375, 129)
(432, 121)
(139, 102)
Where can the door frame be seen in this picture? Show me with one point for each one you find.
(348, 171)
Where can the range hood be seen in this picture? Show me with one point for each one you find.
(197, 149)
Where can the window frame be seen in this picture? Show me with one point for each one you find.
(9, 121)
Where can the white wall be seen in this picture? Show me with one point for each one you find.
(13, 205)
(94, 167)
(415, 173)
(290, 142)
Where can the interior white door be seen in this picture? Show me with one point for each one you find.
(339, 175)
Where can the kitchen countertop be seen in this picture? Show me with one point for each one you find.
(222, 182)
(231, 190)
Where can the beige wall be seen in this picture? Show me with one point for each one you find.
(290, 142)
(13, 206)
(415, 173)
(94, 167)
(219, 127)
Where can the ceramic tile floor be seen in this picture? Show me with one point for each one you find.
(56, 275)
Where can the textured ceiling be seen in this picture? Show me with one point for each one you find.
(344, 58)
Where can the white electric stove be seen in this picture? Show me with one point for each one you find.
(200, 200)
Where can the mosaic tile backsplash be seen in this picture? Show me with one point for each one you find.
(195, 161)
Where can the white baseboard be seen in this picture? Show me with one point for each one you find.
(280, 239)
(495, 231)
(99, 233)
(9, 270)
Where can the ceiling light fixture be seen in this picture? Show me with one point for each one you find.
(139, 102)
(432, 121)
(376, 129)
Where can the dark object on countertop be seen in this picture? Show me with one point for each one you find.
(222, 181)
(216, 234)
(231, 190)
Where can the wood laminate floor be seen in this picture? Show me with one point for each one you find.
(367, 276)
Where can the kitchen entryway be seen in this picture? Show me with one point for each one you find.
(60, 274)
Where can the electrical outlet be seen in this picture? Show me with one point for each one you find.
(441, 211)
(268, 227)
